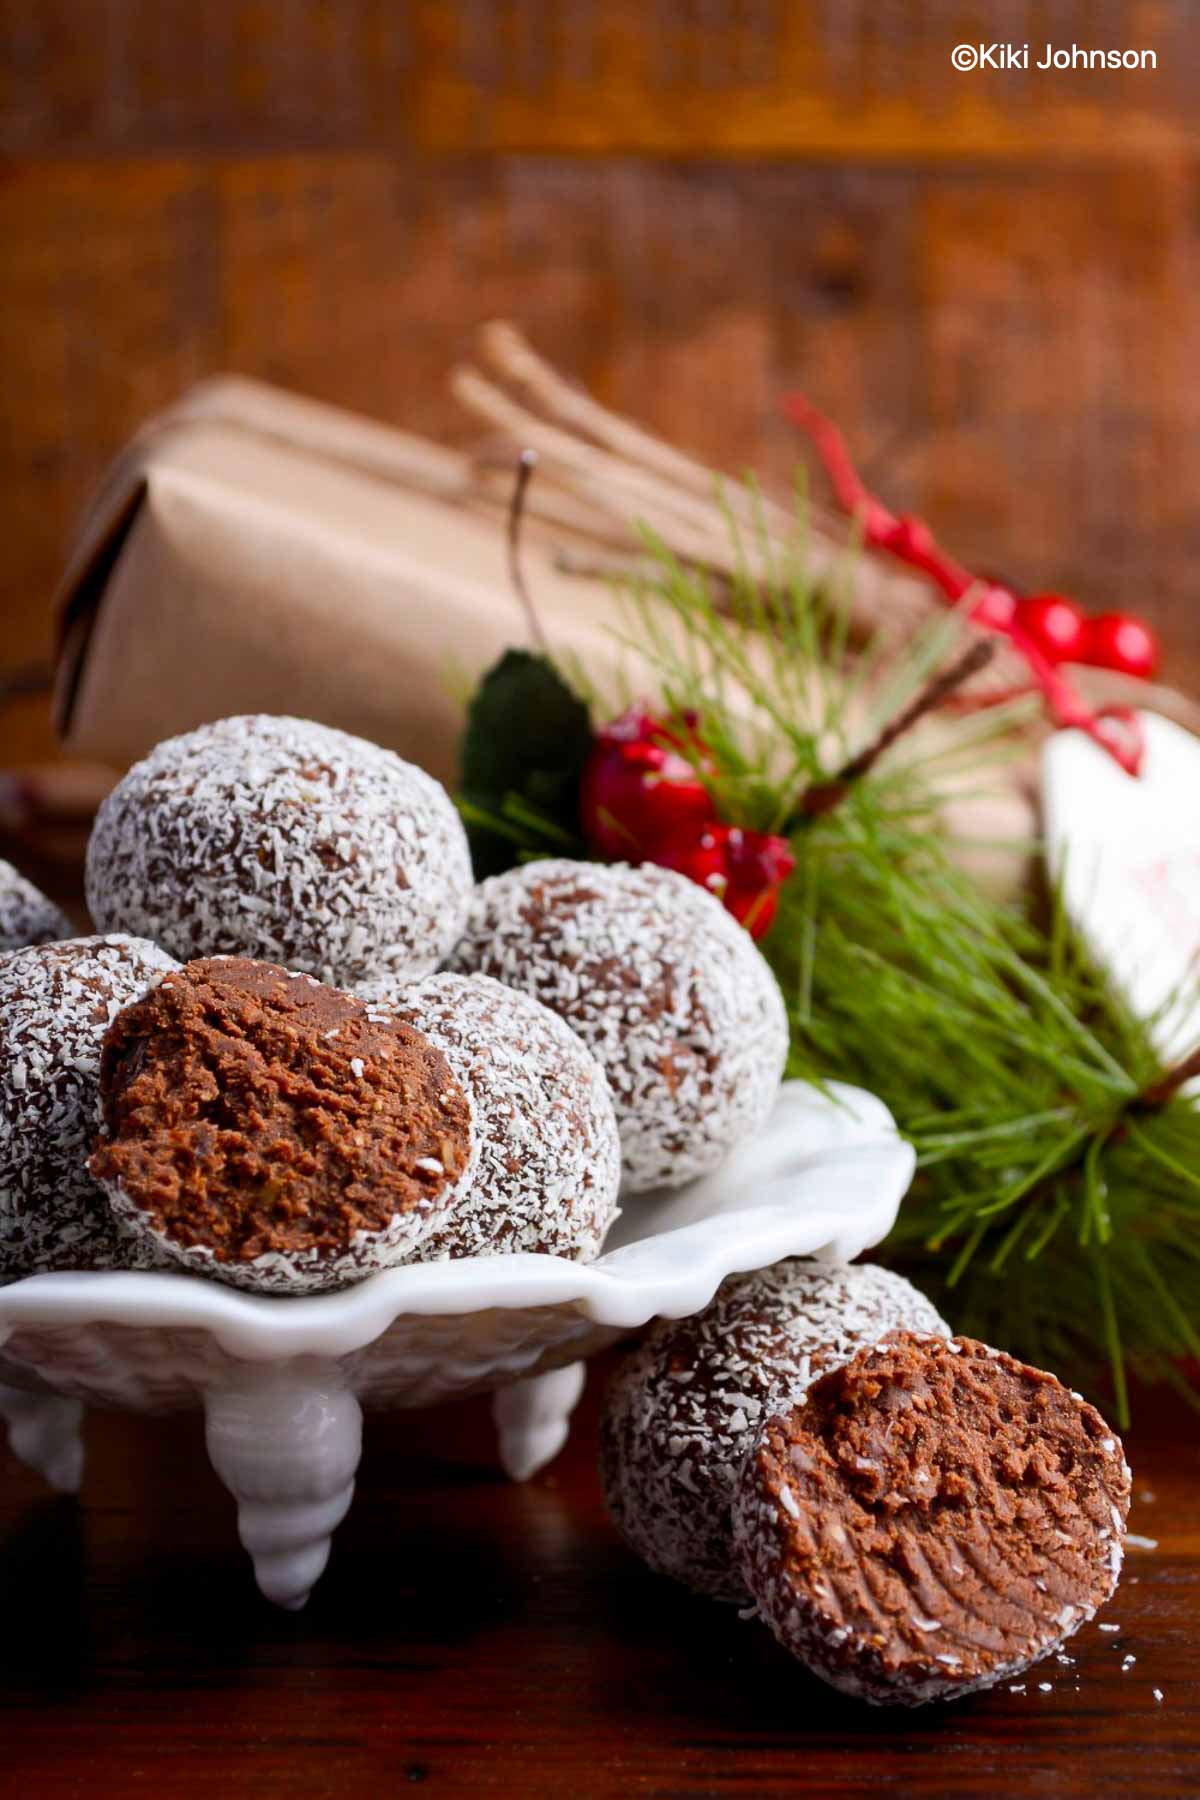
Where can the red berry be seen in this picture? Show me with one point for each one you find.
(1117, 641)
(757, 859)
(637, 791)
(700, 855)
(1056, 625)
(995, 608)
(744, 869)
(756, 911)
(641, 799)
(759, 864)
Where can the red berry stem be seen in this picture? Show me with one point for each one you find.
(911, 542)
(823, 796)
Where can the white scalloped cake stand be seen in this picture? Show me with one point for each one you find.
(282, 1382)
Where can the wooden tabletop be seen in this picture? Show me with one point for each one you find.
(474, 1636)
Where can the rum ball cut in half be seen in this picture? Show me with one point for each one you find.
(265, 1129)
(549, 1155)
(932, 1518)
(57, 1001)
(683, 1410)
(285, 841)
(666, 989)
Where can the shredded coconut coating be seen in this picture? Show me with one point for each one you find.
(56, 1002)
(933, 1518)
(681, 1414)
(285, 841)
(550, 1157)
(665, 988)
(26, 915)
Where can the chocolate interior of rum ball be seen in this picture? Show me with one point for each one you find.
(250, 1111)
(935, 1516)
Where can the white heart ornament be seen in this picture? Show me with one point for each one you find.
(1126, 850)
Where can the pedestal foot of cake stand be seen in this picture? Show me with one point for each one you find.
(43, 1433)
(288, 1454)
(533, 1418)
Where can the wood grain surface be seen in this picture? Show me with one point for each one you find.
(994, 282)
(472, 1637)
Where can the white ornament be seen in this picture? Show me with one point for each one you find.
(1127, 852)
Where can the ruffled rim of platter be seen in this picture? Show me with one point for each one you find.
(824, 1176)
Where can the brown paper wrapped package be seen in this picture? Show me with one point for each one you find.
(256, 552)
(252, 550)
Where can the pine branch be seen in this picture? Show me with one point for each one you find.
(1056, 1209)
(823, 796)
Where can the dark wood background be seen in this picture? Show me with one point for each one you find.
(993, 280)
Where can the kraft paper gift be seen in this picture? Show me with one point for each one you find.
(252, 551)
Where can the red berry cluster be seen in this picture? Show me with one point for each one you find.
(1047, 629)
(642, 800)
(1063, 632)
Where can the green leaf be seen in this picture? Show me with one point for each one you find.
(527, 738)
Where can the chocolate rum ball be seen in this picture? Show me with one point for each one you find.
(666, 989)
(682, 1412)
(284, 841)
